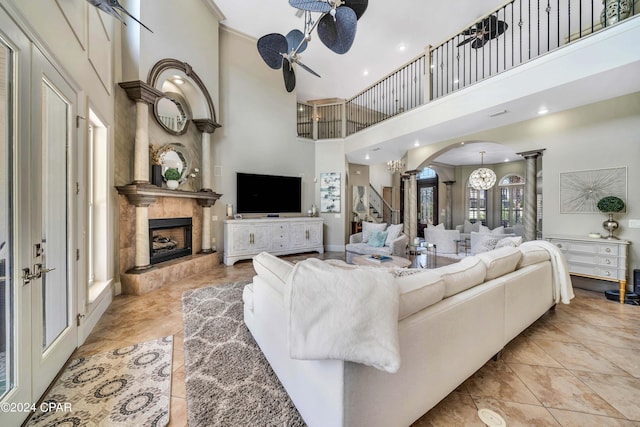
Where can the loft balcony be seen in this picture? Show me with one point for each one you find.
(566, 51)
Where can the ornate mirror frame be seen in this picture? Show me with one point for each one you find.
(205, 124)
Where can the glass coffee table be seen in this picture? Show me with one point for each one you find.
(393, 262)
(423, 255)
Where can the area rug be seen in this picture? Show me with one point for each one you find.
(129, 386)
(228, 380)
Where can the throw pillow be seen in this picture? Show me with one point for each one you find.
(484, 229)
(509, 241)
(498, 230)
(377, 239)
(483, 242)
(393, 232)
(467, 226)
(368, 227)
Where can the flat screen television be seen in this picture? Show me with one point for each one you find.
(269, 194)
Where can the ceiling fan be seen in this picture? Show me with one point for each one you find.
(485, 30)
(336, 25)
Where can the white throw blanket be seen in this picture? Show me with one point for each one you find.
(343, 314)
(562, 287)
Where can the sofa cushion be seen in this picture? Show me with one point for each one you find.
(368, 227)
(532, 255)
(377, 238)
(247, 296)
(469, 226)
(274, 270)
(500, 261)
(418, 289)
(445, 240)
(462, 275)
(393, 232)
(365, 249)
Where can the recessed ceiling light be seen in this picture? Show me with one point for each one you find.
(542, 111)
(365, 73)
(416, 144)
(506, 160)
(402, 47)
(367, 157)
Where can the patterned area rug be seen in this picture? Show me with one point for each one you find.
(228, 380)
(129, 386)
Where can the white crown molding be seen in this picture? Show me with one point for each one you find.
(215, 10)
(238, 33)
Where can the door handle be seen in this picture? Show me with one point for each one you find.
(39, 270)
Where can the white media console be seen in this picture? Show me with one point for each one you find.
(244, 238)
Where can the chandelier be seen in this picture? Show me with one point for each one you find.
(482, 178)
(395, 166)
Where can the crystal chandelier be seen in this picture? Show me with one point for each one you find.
(482, 178)
(395, 166)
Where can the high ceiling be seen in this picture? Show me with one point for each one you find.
(389, 35)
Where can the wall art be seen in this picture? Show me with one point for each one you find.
(330, 192)
(581, 190)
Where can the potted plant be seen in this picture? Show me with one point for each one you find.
(610, 205)
(172, 175)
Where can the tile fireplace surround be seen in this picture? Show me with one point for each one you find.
(141, 282)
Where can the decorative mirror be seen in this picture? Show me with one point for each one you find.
(175, 155)
(172, 113)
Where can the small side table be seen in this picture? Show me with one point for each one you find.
(464, 244)
(423, 256)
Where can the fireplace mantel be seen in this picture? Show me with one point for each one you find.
(146, 194)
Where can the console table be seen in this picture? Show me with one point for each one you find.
(245, 238)
(602, 259)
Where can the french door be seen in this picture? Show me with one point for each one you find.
(37, 303)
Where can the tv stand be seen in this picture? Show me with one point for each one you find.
(245, 238)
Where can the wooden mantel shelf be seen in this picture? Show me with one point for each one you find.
(147, 194)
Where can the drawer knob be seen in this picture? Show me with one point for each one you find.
(608, 261)
(607, 273)
(607, 250)
(559, 245)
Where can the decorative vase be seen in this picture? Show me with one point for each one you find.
(615, 11)
(156, 175)
(172, 184)
(610, 225)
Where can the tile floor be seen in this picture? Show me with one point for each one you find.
(576, 366)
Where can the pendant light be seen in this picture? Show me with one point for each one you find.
(482, 178)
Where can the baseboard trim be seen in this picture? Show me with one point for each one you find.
(334, 248)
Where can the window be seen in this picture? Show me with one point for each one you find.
(511, 200)
(477, 205)
(97, 201)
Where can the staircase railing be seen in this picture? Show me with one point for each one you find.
(381, 208)
(517, 32)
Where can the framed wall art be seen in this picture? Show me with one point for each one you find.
(581, 190)
(330, 192)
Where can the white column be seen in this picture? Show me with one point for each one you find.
(529, 215)
(142, 238)
(206, 229)
(141, 147)
(413, 205)
(206, 162)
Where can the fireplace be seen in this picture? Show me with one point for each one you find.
(169, 238)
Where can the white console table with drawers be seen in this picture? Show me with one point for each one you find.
(594, 258)
(244, 238)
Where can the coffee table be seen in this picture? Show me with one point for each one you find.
(394, 262)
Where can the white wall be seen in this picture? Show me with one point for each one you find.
(600, 135)
(258, 132)
(330, 158)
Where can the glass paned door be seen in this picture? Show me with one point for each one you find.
(54, 330)
(6, 203)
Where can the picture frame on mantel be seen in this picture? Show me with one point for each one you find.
(581, 190)
(330, 192)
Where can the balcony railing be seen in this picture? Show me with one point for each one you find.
(518, 31)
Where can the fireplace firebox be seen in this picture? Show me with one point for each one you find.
(169, 238)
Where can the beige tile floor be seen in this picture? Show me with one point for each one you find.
(576, 366)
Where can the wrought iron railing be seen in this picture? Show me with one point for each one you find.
(305, 120)
(329, 118)
(516, 32)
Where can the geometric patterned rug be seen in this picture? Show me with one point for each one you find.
(129, 386)
(228, 380)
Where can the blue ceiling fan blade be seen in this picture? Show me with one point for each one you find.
(294, 38)
(338, 34)
(271, 48)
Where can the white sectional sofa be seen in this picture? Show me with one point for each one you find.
(450, 322)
